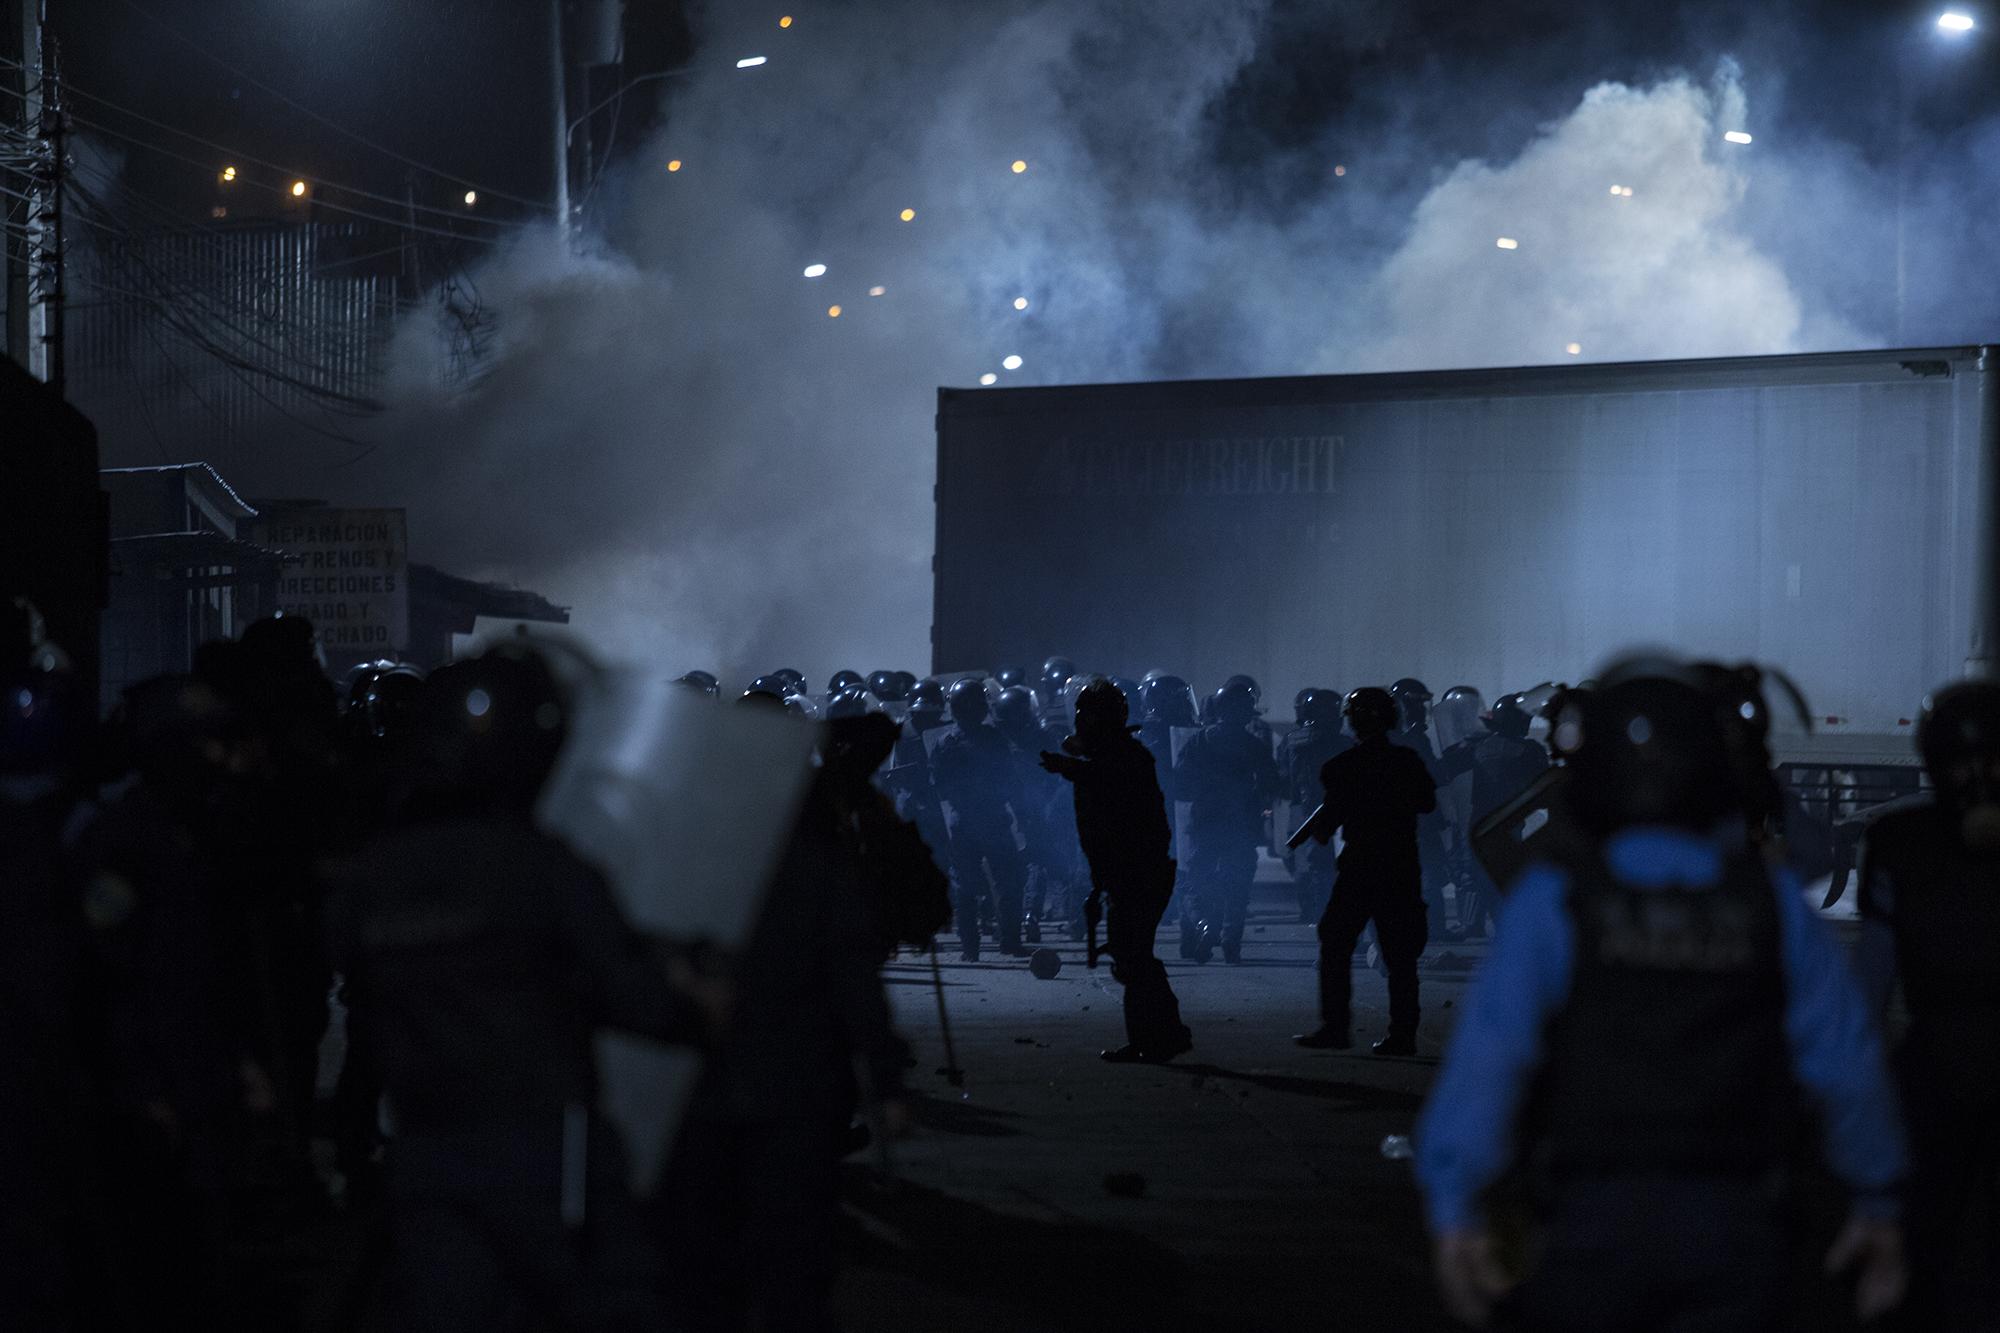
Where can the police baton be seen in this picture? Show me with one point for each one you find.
(952, 1073)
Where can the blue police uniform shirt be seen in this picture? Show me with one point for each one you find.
(1466, 1136)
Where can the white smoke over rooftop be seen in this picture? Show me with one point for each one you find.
(675, 437)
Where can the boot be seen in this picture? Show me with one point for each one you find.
(1326, 1038)
(1396, 1044)
(1031, 929)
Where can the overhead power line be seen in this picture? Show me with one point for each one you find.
(337, 128)
(319, 201)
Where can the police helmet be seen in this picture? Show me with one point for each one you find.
(1249, 683)
(1232, 706)
(1508, 718)
(1015, 709)
(790, 675)
(850, 703)
(701, 680)
(967, 703)
(1958, 734)
(1409, 687)
(769, 701)
(901, 682)
(388, 703)
(1317, 707)
(1370, 711)
(1010, 676)
(1056, 672)
(1648, 746)
(1130, 689)
(882, 684)
(775, 686)
(843, 680)
(1168, 700)
(927, 696)
(490, 728)
(1101, 707)
(802, 705)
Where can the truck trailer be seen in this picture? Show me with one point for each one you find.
(1829, 514)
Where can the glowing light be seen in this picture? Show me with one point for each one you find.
(1627, 192)
(1340, 171)
(908, 215)
(877, 291)
(229, 173)
(1574, 349)
(1617, 189)
(1508, 243)
(1020, 303)
(1956, 22)
(833, 312)
(785, 22)
(478, 702)
(471, 198)
(1011, 363)
(815, 270)
(1019, 166)
(219, 211)
(298, 189)
(674, 165)
(1737, 136)
(989, 379)
(750, 62)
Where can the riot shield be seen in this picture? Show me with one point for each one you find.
(686, 807)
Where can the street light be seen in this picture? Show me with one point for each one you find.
(1955, 22)
(298, 189)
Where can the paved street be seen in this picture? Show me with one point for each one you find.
(1262, 1196)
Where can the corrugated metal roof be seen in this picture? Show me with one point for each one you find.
(228, 491)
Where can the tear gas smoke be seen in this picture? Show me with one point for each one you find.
(673, 437)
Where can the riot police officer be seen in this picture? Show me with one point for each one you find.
(1657, 994)
(1048, 845)
(1503, 763)
(1413, 705)
(1930, 905)
(486, 957)
(1228, 777)
(974, 772)
(1374, 793)
(1121, 821)
(1305, 750)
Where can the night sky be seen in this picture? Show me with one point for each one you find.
(462, 85)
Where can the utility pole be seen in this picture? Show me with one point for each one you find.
(20, 117)
(559, 94)
(47, 346)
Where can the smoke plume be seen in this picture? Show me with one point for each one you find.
(675, 434)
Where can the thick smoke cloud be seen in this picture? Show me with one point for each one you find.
(673, 435)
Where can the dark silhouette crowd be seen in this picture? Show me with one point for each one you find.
(278, 950)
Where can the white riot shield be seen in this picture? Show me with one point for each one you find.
(686, 807)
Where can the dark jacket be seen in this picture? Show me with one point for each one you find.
(1121, 815)
(486, 955)
(1228, 777)
(1374, 794)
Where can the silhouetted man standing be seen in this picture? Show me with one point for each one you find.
(1121, 819)
(1930, 910)
(1374, 794)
